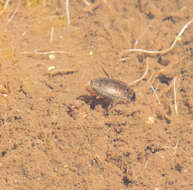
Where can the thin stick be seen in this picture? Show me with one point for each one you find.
(141, 36)
(67, 12)
(37, 52)
(143, 76)
(51, 34)
(149, 80)
(155, 93)
(49, 52)
(14, 13)
(161, 52)
(175, 101)
(107, 74)
(5, 7)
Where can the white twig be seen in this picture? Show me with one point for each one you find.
(143, 76)
(49, 52)
(162, 52)
(175, 101)
(67, 12)
(149, 80)
(51, 34)
(37, 52)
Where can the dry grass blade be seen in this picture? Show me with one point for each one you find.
(175, 100)
(60, 72)
(37, 52)
(51, 34)
(161, 52)
(142, 77)
(49, 52)
(67, 12)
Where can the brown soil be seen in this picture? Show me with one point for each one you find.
(55, 135)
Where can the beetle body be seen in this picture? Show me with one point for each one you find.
(112, 89)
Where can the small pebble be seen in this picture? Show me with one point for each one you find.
(52, 57)
(51, 68)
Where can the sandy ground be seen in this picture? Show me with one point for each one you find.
(54, 134)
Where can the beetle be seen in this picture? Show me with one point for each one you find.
(107, 92)
(114, 90)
